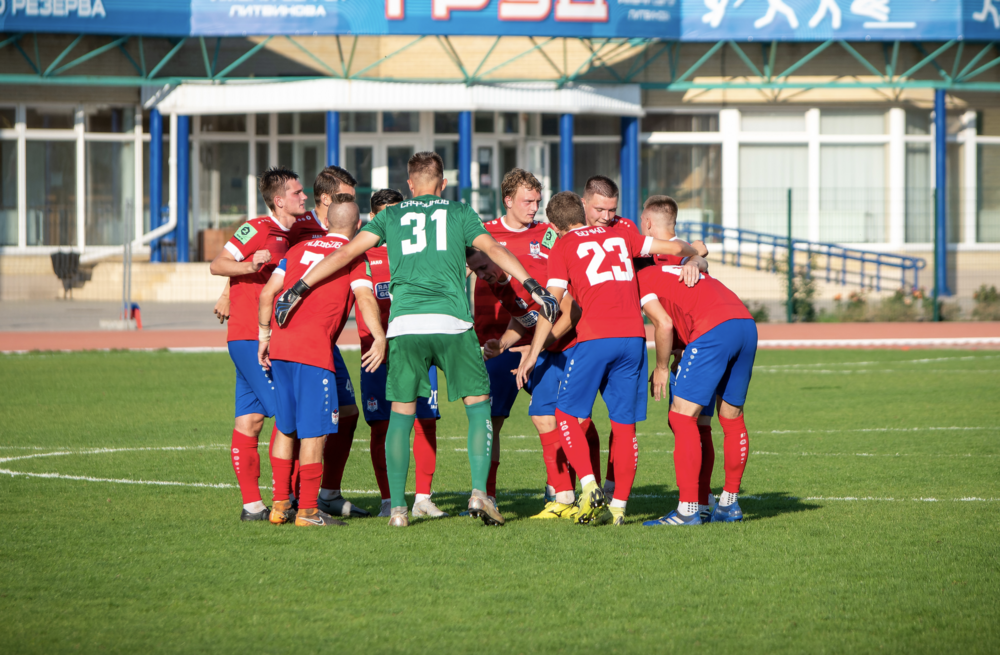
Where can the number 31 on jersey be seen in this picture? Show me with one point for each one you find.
(419, 241)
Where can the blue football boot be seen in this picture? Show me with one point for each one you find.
(729, 514)
(675, 518)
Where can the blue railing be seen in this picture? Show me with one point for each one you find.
(872, 271)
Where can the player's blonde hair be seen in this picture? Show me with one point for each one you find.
(565, 210)
(663, 208)
(515, 179)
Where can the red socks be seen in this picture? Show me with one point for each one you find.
(246, 465)
(556, 468)
(309, 478)
(337, 450)
(594, 444)
(687, 455)
(610, 474)
(281, 478)
(735, 446)
(574, 443)
(707, 463)
(424, 453)
(377, 448)
(626, 450)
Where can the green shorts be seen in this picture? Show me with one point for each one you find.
(457, 355)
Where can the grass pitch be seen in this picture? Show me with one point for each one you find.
(872, 498)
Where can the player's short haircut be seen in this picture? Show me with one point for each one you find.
(602, 186)
(341, 174)
(272, 183)
(663, 208)
(326, 183)
(385, 197)
(425, 165)
(342, 214)
(565, 210)
(517, 178)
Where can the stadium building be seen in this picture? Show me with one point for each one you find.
(151, 120)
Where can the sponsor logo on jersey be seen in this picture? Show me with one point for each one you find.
(529, 319)
(382, 291)
(245, 233)
(521, 303)
(550, 237)
(534, 249)
(374, 262)
(372, 404)
(325, 244)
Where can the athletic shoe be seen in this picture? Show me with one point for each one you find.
(609, 488)
(480, 506)
(340, 506)
(617, 515)
(730, 514)
(399, 518)
(282, 512)
(315, 517)
(427, 508)
(706, 513)
(262, 515)
(547, 497)
(556, 510)
(591, 504)
(675, 518)
(385, 511)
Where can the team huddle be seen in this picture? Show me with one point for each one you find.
(557, 311)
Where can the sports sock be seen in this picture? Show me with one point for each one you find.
(618, 503)
(609, 475)
(687, 509)
(246, 465)
(337, 450)
(397, 455)
(425, 452)
(687, 456)
(727, 499)
(377, 448)
(491, 479)
(574, 443)
(480, 442)
(421, 497)
(556, 471)
(296, 490)
(309, 479)
(281, 478)
(329, 494)
(735, 445)
(707, 463)
(594, 444)
(626, 457)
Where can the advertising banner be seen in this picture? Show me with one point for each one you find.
(684, 20)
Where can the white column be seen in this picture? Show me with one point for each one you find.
(81, 177)
(729, 128)
(22, 179)
(813, 176)
(969, 190)
(897, 176)
(137, 159)
(273, 141)
(172, 165)
(252, 168)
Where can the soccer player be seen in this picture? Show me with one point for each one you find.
(430, 323)
(301, 356)
(596, 262)
(248, 260)
(721, 339)
(529, 241)
(373, 277)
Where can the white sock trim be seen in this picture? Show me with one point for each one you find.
(618, 503)
(565, 497)
(255, 508)
(727, 499)
(422, 497)
(587, 479)
(687, 509)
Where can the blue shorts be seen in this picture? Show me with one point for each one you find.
(545, 380)
(374, 402)
(617, 367)
(254, 385)
(719, 362)
(707, 410)
(503, 383)
(345, 389)
(307, 399)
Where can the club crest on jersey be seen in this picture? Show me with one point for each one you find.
(372, 404)
(521, 303)
(335, 416)
(534, 249)
(382, 290)
(529, 319)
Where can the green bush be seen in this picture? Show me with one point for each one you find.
(759, 312)
(903, 306)
(987, 307)
(803, 292)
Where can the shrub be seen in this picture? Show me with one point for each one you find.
(803, 292)
(987, 307)
(759, 312)
(902, 306)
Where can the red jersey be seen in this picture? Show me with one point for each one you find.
(597, 262)
(693, 310)
(622, 222)
(372, 271)
(531, 246)
(264, 233)
(308, 338)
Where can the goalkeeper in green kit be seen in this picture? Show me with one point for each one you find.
(430, 323)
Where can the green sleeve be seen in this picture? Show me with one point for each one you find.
(472, 225)
(377, 226)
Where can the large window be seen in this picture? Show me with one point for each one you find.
(691, 174)
(591, 159)
(222, 183)
(988, 209)
(852, 197)
(110, 180)
(8, 193)
(919, 195)
(767, 174)
(51, 193)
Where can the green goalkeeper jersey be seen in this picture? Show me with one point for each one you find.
(426, 239)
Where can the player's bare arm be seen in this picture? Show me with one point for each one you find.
(267, 294)
(663, 337)
(225, 264)
(367, 305)
(329, 265)
(221, 309)
(542, 331)
(503, 258)
(511, 335)
(675, 247)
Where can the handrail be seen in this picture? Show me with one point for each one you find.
(764, 255)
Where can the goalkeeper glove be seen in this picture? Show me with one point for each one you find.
(288, 300)
(547, 304)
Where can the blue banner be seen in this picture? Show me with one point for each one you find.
(684, 20)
